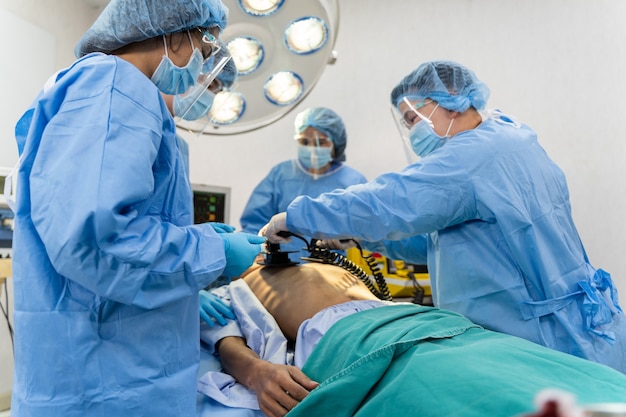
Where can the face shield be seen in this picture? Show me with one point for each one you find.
(198, 100)
(222, 108)
(406, 115)
(315, 150)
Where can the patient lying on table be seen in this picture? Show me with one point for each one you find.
(366, 357)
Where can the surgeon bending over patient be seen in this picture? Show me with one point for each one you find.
(284, 310)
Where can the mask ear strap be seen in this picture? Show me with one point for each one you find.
(433, 112)
(449, 127)
(191, 41)
(165, 46)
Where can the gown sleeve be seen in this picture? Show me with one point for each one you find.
(92, 194)
(423, 198)
(412, 250)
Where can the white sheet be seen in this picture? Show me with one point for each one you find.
(263, 336)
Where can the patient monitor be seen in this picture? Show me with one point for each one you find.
(211, 203)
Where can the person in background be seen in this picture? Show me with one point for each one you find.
(319, 167)
(107, 264)
(489, 212)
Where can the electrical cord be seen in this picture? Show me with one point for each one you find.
(318, 254)
(274, 257)
(418, 290)
(5, 313)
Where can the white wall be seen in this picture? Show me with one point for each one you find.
(555, 64)
(39, 39)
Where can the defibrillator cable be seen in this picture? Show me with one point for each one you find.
(379, 289)
(274, 257)
(5, 313)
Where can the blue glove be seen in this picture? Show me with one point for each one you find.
(222, 227)
(241, 249)
(214, 310)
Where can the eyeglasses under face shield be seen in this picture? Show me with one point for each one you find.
(210, 44)
(313, 140)
(406, 115)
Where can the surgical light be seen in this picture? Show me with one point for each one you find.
(247, 53)
(260, 7)
(283, 88)
(280, 49)
(306, 35)
(227, 108)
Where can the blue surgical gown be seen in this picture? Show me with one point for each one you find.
(490, 213)
(107, 264)
(286, 181)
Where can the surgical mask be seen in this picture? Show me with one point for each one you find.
(192, 107)
(423, 138)
(171, 79)
(314, 157)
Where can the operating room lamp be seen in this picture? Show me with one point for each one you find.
(280, 49)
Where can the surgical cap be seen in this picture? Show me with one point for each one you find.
(126, 21)
(328, 122)
(452, 85)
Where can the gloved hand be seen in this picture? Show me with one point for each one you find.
(214, 310)
(222, 227)
(241, 249)
(341, 244)
(278, 223)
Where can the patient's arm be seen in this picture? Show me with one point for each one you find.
(279, 388)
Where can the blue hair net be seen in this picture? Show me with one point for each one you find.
(126, 21)
(452, 85)
(326, 121)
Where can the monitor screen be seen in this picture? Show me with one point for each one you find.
(210, 203)
(3, 176)
(6, 227)
(6, 217)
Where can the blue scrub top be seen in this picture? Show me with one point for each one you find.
(107, 264)
(286, 181)
(490, 212)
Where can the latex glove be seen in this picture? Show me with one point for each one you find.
(278, 223)
(214, 310)
(341, 244)
(241, 250)
(222, 227)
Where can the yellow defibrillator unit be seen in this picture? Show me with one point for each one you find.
(403, 279)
